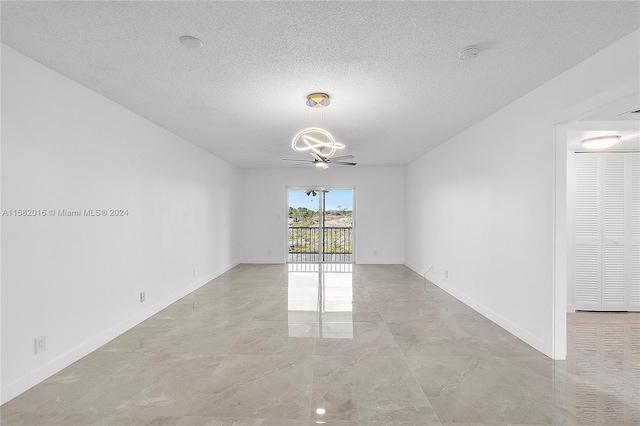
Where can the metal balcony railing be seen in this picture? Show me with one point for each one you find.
(337, 240)
(304, 244)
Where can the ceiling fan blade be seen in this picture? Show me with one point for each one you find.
(297, 159)
(343, 163)
(318, 157)
(343, 157)
(307, 163)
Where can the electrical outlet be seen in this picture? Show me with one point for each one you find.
(41, 344)
(446, 274)
(195, 272)
(142, 297)
(375, 252)
(269, 251)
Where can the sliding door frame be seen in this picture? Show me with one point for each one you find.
(319, 189)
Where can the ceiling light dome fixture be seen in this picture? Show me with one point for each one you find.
(601, 142)
(469, 53)
(191, 42)
(318, 100)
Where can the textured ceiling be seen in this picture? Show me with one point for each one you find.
(391, 68)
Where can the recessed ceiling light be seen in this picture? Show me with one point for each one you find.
(469, 53)
(191, 42)
(601, 142)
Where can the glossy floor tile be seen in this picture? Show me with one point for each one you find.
(304, 344)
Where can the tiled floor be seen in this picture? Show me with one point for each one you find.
(363, 344)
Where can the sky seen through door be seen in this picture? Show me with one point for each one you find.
(339, 197)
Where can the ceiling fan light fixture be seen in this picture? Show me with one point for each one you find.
(318, 100)
(600, 142)
(317, 141)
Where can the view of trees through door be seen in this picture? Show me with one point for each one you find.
(320, 226)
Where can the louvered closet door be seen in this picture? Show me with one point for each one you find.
(607, 229)
(634, 243)
(614, 241)
(587, 224)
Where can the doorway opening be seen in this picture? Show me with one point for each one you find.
(607, 112)
(320, 225)
(604, 227)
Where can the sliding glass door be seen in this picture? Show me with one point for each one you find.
(320, 226)
(304, 225)
(337, 224)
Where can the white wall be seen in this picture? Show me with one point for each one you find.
(378, 216)
(482, 204)
(77, 279)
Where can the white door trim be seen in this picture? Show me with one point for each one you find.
(559, 119)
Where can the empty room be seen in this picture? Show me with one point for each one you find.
(320, 212)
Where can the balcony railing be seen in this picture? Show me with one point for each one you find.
(304, 244)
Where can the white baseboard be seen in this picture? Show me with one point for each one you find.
(377, 261)
(270, 261)
(415, 268)
(26, 382)
(531, 339)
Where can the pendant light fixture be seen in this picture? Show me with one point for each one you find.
(315, 139)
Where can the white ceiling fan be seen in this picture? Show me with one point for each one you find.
(323, 162)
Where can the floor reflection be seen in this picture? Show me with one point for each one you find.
(602, 367)
(320, 300)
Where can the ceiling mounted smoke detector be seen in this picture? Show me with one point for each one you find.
(469, 53)
(191, 42)
(601, 142)
(318, 100)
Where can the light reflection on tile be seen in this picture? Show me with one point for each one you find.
(322, 294)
